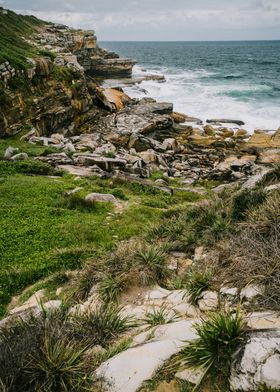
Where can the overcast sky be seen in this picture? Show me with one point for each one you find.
(162, 19)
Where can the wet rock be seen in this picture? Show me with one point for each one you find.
(225, 121)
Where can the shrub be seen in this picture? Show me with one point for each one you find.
(160, 316)
(27, 167)
(245, 200)
(271, 177)
(75, 201)
(102, 326)
(152, 264)
(195, 282)
(58, 366)
(218, 338)
(111, 287)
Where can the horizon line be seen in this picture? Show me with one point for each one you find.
(226, 40)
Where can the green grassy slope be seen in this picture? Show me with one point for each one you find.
(14, 29)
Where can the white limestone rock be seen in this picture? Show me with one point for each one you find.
(209, 301)
(142, 361)
(258, 363)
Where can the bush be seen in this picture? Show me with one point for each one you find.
(27, 167)
(160, 316)
(246, 200)
(152, 264)
(218, 338)
(102, 326)
(58, 366)
(111, 287)
(75, 201)
(254, 252)
(195, 282)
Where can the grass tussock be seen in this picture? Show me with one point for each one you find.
(53, 352)
(218, 338)
(160, 316)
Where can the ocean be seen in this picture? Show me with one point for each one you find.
(237, 80)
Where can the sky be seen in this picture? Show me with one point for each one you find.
(161, 20)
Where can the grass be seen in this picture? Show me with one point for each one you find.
(159, 316)
(111, 287)
(43, 231)
(58, 366)
(13, 47)
(58, 352)
(218, 338)
(194, 282)
(101, 326)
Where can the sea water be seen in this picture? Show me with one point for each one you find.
(236, 80)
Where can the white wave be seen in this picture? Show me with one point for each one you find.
(204, 98)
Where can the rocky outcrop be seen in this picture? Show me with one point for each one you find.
(258, 363)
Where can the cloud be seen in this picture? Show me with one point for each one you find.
(162, 19)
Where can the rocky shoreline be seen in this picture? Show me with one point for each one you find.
(98, 131)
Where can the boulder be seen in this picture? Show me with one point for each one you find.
(263, 320)
(271, 156)
(9, 152)
(260, 140)
(107, 164)
(209, 130)
(225, 121)
(258, 363)
(209, 301)
(241, 133)
(178, 117)
(171, 144)
(251, 291)
(93, 197)
(112, 99)
(201, 140)
(22, 156)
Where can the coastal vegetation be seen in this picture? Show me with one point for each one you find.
(128, 237)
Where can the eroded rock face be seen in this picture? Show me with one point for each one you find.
(258, 364)
(142, 361)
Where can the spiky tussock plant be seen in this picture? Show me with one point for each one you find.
(58, 366)
(159, 316)
(218, 338)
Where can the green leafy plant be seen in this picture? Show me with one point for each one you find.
(160, 316)
(102, 326)
(245, 200)
(195, 282)
(58, 366)
(153, 264)
(111, 287)
(218, 338)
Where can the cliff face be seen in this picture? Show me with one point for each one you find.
(50, 85)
